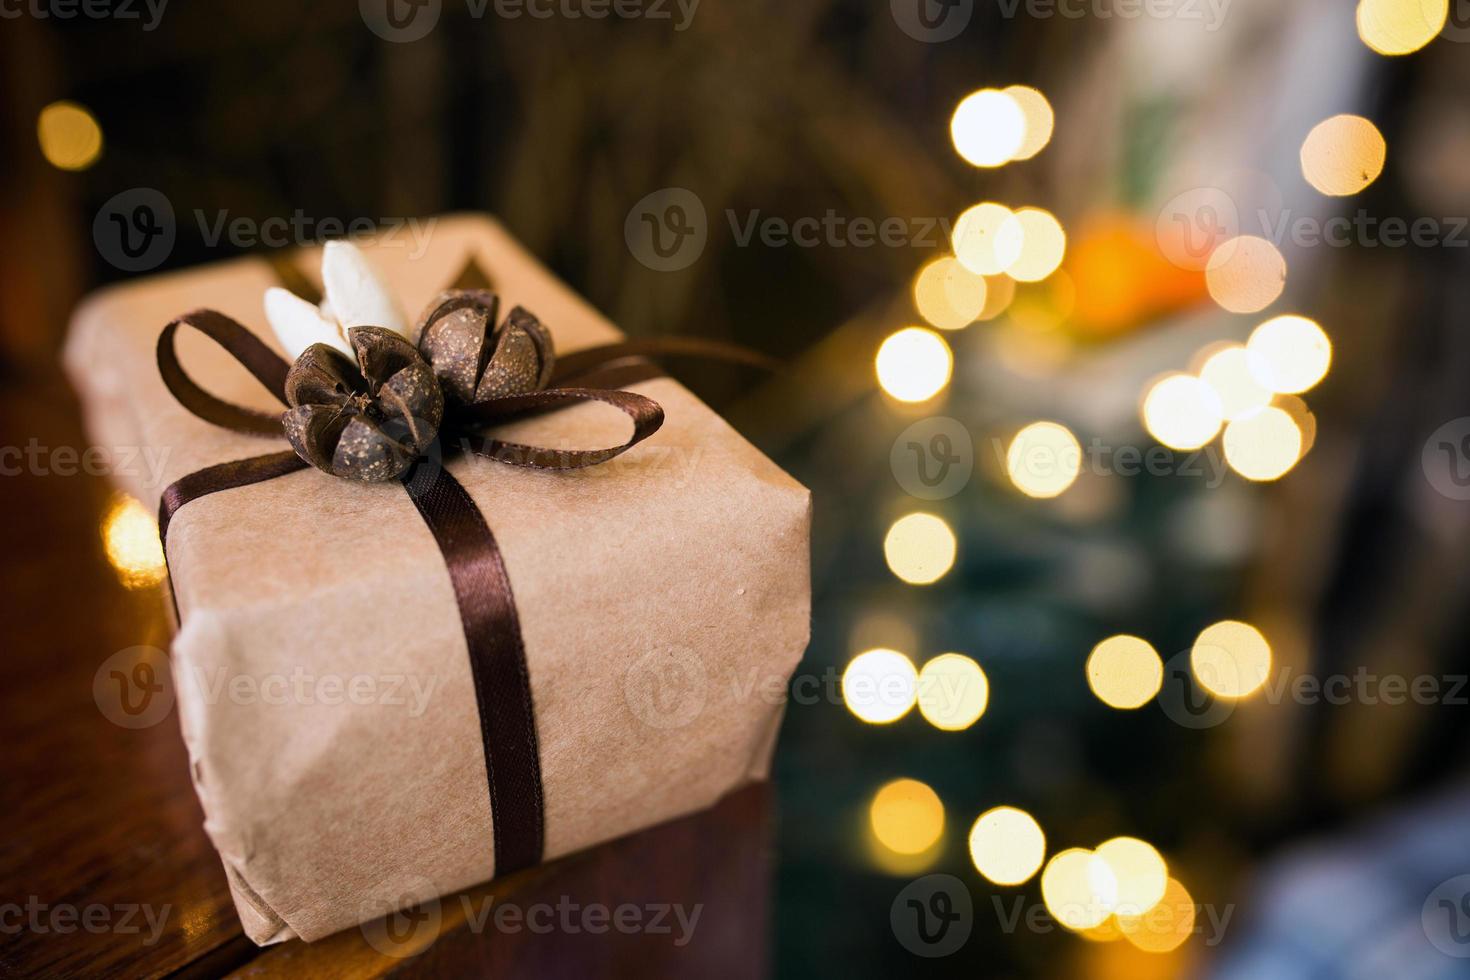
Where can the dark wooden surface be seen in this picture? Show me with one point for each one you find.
(102, 825)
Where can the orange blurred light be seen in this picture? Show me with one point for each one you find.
(1122, 279)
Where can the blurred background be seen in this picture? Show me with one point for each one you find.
(1126, 343)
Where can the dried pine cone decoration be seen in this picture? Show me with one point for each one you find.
(367, 422)
(475, 361)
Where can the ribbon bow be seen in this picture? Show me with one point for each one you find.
(376, 419)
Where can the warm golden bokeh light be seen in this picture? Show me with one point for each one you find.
(1105, 932)
(1007, 845)
(1343, 155)
(906, 816)
(1000, 290)
(1164, 927)
(1264, 446)
(1231, 659)
(1032, 313)
(920, 548)
(1123, 277)
(1289, 354)
(953, 692)
(1125, 672)
(1039, 120)
(1044, 459)
(976, 239)
(70, 136)
(1079, 889)
(1036, 239)
(948, 295)
(1140, 873)
(914, 364)
(1302, 416)
(891, 862)
(1395, 27)
(1182, 412)
(1245, 274)
(988, 128)
(130, 538)
(879, 686)
(1228, 373)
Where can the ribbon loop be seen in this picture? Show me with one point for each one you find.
(579, 365)
(647, 416)
(265, 364)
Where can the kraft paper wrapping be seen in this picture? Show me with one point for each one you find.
(321, 675)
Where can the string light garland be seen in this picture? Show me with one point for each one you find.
(1246, 394)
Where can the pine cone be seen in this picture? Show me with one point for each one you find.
(476, 363)
(368, 421)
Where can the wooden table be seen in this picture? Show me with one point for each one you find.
(103, 828)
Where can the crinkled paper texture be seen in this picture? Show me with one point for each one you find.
(662, 596)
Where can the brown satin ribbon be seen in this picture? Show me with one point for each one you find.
(492, 632)
(477, 572)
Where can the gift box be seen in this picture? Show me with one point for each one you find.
(322, 667)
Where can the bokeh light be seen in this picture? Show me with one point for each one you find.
(1289, 354)
(1264, 446)
(914, 364)
(1343, 155)
(906, 816)
(1105, 932)
(1140, 873)
(1164, 927)
(953, 692)
(130, 538)
(1007, 845)
(1079, 889)
(70, 136)
(1182, 412)
(1301, 415)
(948, 295)
(1245, 274)
(976, 239)
(1228, 373)
(1395, 27)
(1044, 308)
(920, 548)
(1036, 239)
(988, 127)
(879, 686)
(1123, 277)
(1231, 659)
(1000, 290)
(1125, 672)
(1039, 120)
(1044, 459)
